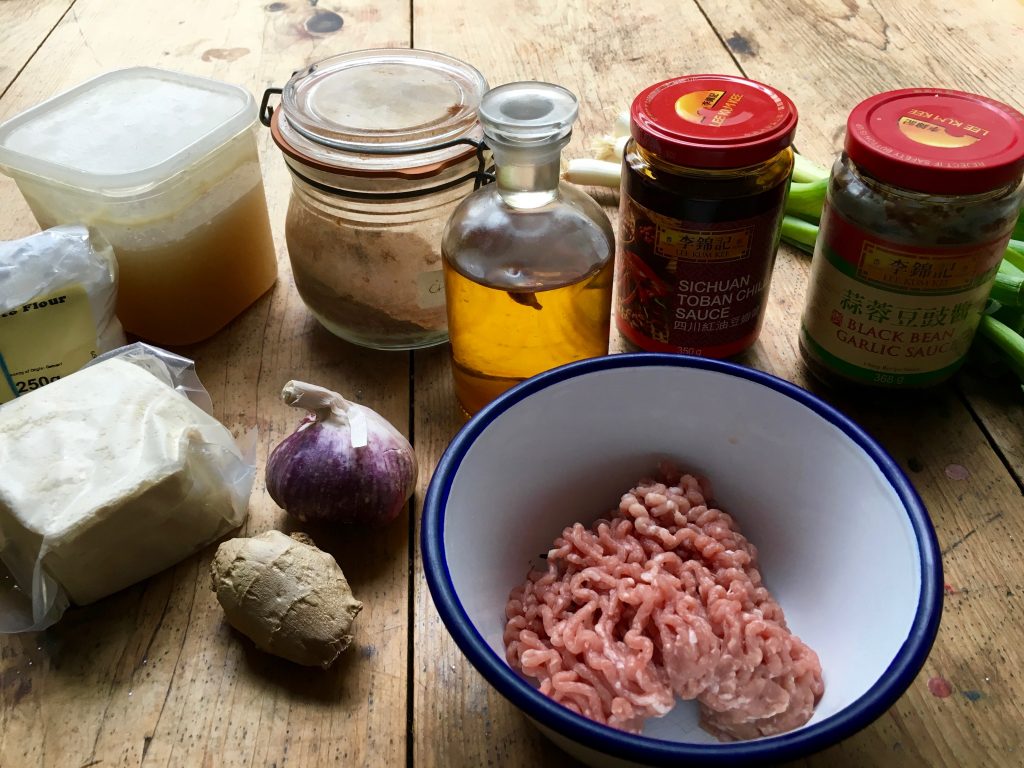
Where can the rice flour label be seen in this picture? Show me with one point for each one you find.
(44, 340)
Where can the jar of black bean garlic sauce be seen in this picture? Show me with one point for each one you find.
(704, 183)
(920, 206)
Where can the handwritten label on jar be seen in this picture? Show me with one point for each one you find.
(692, 287)
(430, 289)
(892, 314)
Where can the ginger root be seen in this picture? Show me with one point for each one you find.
(285, 595)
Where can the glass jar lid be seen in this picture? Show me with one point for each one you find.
(937, 141)
(381, 111)
(527, 113)
(713, 121)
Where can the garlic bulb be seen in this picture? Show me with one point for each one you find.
(345, 463)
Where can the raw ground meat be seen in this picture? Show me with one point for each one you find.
(662, 600)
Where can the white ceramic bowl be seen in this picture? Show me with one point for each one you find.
(845, 543)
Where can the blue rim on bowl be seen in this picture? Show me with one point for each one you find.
(657, 752)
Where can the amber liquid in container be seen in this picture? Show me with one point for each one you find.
(165, 166)
(527, 260)
(213, 266)
(502, 331)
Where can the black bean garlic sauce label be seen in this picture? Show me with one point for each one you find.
(892, 314)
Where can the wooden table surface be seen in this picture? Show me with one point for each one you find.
(153, 676)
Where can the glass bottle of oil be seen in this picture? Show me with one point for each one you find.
(527, 260)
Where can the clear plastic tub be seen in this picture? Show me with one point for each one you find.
(165, 165)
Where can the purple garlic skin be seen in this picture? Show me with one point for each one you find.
(316, 475)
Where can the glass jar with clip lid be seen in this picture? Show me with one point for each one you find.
(382, 145)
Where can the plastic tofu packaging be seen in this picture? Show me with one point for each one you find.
(109, 476)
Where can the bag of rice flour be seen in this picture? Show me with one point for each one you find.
(58, 289)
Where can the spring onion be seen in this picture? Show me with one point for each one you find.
(1008, 288)
(799, 233)
(1010, 343)
(805, 170)
(806, 198)
(593, 173)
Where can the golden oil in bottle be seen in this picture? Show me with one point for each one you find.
(527, 260)
(501, 335)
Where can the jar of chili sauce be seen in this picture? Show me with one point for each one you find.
(920, 206)
(704, 182)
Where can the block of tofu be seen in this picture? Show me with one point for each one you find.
(108, 476)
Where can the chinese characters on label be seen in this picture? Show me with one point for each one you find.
(920, 271)
(727, 245)
(880, 311)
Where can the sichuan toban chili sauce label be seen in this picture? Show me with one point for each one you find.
(892, 314)
(693, 287)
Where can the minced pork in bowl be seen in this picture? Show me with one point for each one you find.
(843, 542)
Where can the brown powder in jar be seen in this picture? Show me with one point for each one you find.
(379, 287)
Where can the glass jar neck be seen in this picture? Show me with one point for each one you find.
(527, 177)
(884, 188)
(782, 160)
(528, 186)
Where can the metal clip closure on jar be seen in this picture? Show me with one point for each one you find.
(704, 182)
(919, 209)
(381, 145)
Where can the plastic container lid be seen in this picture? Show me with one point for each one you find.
(713, 121)
(937, 141)
(125, 130)
(336, 114)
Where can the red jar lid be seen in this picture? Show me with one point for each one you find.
(937, 141)
(713, 121)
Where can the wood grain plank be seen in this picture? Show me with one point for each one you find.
(152, 675)
(996, 399)
(26, 25)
